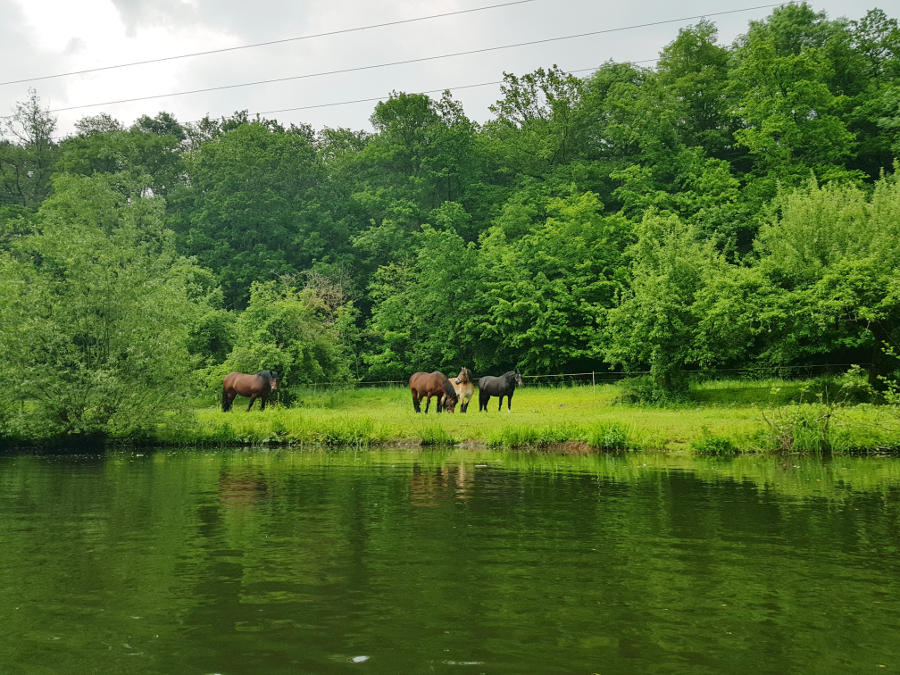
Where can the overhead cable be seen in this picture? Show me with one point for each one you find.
(374, 66)
(268, 43)
(426, 91)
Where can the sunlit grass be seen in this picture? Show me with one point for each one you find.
(723, 417)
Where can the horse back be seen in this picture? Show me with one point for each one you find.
(488, 383)
(416, 380)
(246, 384)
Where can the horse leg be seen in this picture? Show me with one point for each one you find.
(252, 400)
(439, 407)
(482, 402)
(416, 406)
(500, 407)
(509, 402)
(262, 403)
(427, 402)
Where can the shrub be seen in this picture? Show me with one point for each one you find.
(644, 390)
(608, 436)
(805, 428)
(711, 444)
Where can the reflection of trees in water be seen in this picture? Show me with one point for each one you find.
(431, 486)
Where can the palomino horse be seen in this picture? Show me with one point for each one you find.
(425, 385)
(501, 386)
(255, 386)
(462, 385)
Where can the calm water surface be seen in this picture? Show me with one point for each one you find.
(447, 561)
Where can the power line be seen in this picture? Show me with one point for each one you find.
(482, 50)
(426, 91)
(268, 43)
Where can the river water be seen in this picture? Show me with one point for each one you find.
(409, 561)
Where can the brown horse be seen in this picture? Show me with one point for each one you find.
(255, 386)
(462, 385)
(425, 385)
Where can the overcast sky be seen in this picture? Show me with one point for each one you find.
(51, 37)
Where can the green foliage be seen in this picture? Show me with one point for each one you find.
(95, 316)
(610, 436)
(802, 428)
(288, 330)
(711, 444)
(27, 154)
(655, 324)
(548, 286)
(250, 211)
(735, 206)
(421, 307)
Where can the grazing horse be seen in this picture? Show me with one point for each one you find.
(255, 386)
(426, 385)
(462, 385)
(501, 386)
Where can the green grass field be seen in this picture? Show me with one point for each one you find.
(721, 418)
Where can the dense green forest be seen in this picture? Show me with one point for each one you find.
(732, 206)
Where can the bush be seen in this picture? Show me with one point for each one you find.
(805, 428)
(710, 444)
(849, 388)
(644, 390)
(608, 436)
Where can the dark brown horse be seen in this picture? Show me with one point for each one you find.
(426, 385)
(462, 385)
(257, 386)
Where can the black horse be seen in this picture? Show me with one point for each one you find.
(501, 386)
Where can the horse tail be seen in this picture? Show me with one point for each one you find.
(225, 405)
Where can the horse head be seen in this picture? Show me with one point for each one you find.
(465, 375)
(514, 377)
(271, 376)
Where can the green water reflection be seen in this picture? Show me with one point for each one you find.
(447, 561)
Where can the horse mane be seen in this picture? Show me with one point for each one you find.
(267, 375)
(449, 390)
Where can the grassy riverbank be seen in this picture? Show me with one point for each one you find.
(721, 418)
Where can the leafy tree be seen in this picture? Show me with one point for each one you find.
(27, 154)
(834, 255)
(534, 129)
(95, 315)
(291, 331)
(655, 323)
(144, 158)
(695, 69)
(786, 95)
(421, 307)
(250, 211)
(543, 295)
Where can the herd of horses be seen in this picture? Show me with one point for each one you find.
(447, 392)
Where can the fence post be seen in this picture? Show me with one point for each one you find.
(593, 383)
